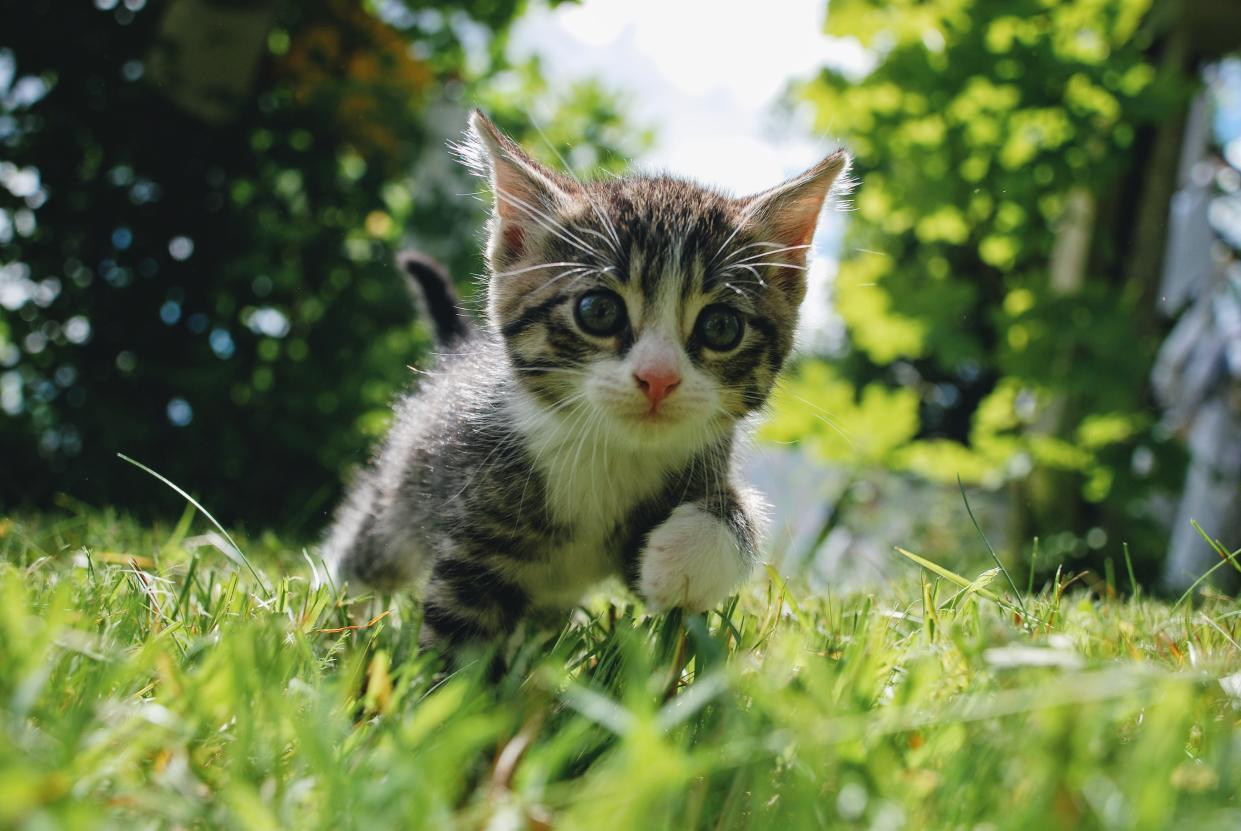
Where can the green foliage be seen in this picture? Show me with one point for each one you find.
(145, 680)
(813, 404)
(220, 300)
(984, 123)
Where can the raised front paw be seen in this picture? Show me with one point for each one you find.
(691, 561)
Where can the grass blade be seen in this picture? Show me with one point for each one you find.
(1134, 588)
(1016, 594)
(1215, 544)
(1231, 559)
(953, 577)
(236, 554)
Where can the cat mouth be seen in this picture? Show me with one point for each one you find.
(642, 418)
(664, 417)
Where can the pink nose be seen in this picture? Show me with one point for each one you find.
(657, 383)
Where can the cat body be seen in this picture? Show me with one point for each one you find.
(588, 430)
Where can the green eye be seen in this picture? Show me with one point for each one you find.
(601, 313)
(720, 328)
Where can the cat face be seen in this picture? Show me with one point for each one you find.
(651, 307)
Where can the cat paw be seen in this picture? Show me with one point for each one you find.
(691, 561)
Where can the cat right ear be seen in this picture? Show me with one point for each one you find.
(527, 194)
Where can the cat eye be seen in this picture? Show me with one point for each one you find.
(720, 328)
(601, 313)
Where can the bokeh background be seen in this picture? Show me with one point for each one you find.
(1033, 298)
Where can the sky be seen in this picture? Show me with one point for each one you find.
(705, 81)
(708, 83)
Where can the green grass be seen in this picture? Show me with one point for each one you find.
(148, 680)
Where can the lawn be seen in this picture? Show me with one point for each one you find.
(151, 677)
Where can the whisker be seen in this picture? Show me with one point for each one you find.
(737, 252)
(826, 417)
(758, 278)
(607, 241)
(724, 244)
(614, 242)
(576, 273)
(778, 250)
(783, 265)
(549, 223)
(528, 268)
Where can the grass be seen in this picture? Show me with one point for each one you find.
(149, 678)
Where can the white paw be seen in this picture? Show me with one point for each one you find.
(691, 561)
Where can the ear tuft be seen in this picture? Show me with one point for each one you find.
(524, 190)
(488, 135)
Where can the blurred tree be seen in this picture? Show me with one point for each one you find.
(1016, 159)
(199, 205)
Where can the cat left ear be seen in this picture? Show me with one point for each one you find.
(789, 212)
(525, 191)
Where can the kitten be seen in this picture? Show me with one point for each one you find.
(588, 429)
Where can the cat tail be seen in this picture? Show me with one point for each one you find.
(433, 291)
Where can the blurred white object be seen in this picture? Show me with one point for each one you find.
(1197, 375)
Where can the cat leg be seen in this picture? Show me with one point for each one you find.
(468, 604)
(700, 553)
(362, 551)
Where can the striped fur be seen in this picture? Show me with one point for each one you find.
(530, 464)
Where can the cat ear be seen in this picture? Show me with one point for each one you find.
(788, 213)
(527, 194)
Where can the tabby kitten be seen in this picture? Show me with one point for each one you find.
(588, 429)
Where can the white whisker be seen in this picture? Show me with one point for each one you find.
(782, 265)
(725, 243)
(758, 278)
(783, 250)
(826, 417)
(528, 268)
(549, 223)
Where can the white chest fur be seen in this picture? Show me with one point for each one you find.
(592, 484)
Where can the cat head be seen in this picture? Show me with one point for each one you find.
(659, 308)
